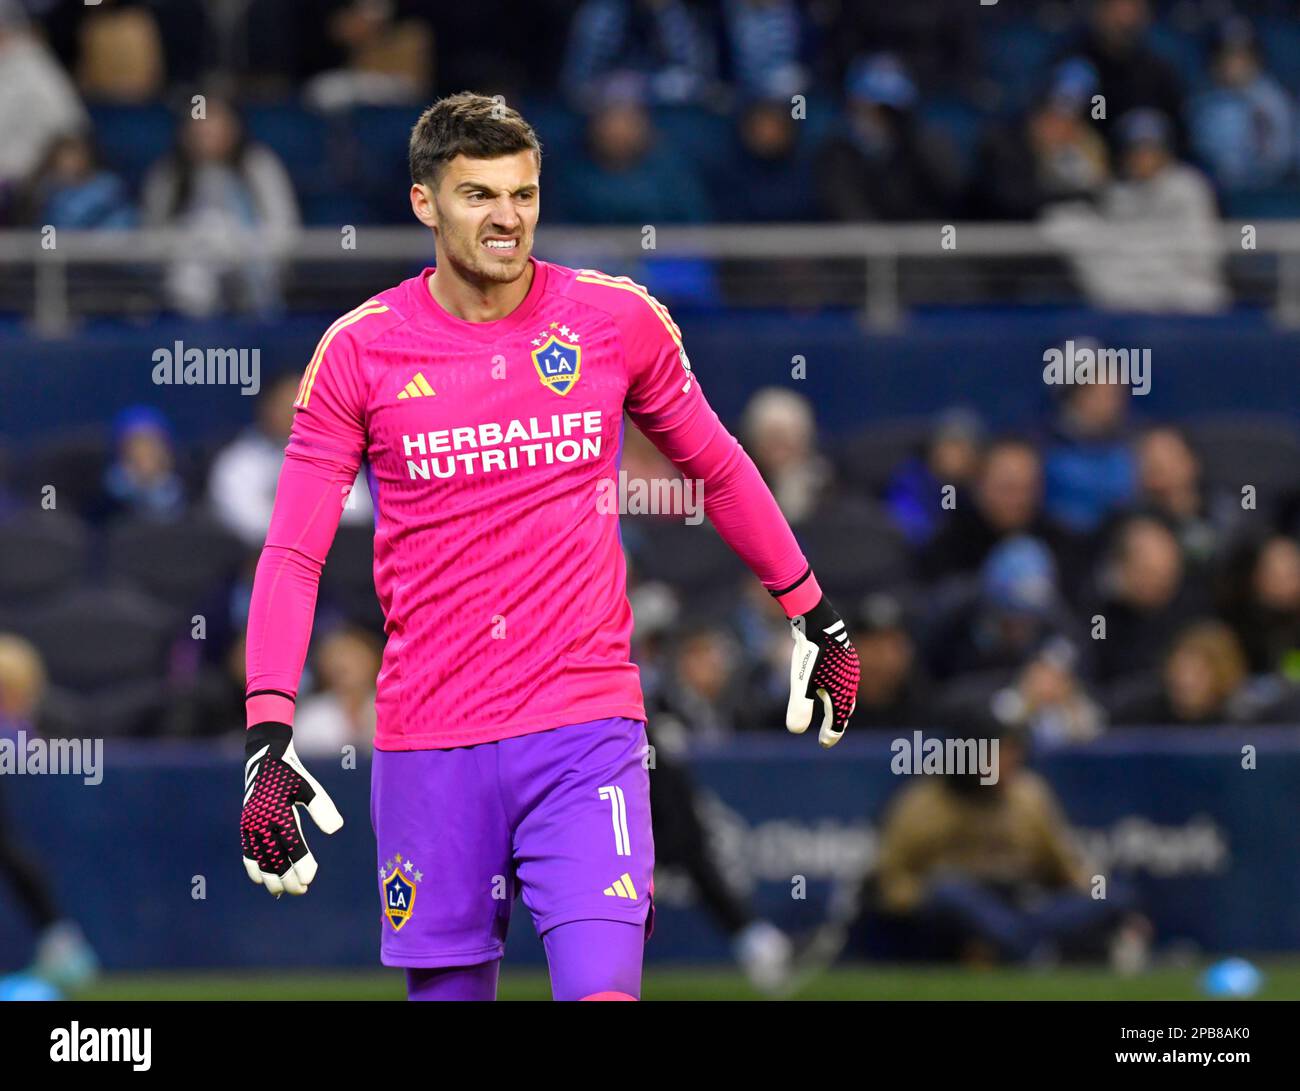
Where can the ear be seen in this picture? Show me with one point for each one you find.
(422, 204)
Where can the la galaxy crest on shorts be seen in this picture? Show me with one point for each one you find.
(399, 886)
(558, 362)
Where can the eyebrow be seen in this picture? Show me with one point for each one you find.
(488, 189)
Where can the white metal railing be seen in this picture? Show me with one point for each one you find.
(880, 246)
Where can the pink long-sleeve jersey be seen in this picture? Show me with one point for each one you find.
(500, 573)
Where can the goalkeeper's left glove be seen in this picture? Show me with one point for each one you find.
(276, 783)
(824, 666)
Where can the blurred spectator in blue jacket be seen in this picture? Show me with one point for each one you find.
(72, 189)
(236, 205)
(883, 164)
(626, 174)
(952, 456)
(142, 481)
(767, 177)
(1004, 500)
(1090, 467)
(992, 627)
(663, 40)
(765, 40)
(1244, 128)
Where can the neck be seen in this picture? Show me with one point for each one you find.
(476, 300)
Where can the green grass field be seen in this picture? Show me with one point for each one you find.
(1281, 981)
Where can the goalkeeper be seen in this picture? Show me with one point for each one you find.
(487, 399)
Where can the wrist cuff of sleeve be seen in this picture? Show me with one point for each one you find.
(263, 708)
(802, 597)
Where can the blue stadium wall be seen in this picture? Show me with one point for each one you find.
(990, 360)
(1212, 849)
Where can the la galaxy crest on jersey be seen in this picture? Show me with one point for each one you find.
(399, 887)
(558, 358)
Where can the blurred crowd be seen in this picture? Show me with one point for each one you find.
(1095, 115)
(1095, 572)
(1064, 582)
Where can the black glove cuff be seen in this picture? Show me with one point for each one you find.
(820, 617)
(277, 736)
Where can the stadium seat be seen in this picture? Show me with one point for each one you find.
(1239, 449)
(378, 139)
(558, 128)
(301, 139)
(693, 559)
(700, 136)
(957, 122)
(1017, 56)
(94, 638)
(132, 709)
(1186, 52)
(1280, 202)
(73, 465)
(1129, 700)
(330, 209)
(853, 548)
(1280, 37)
(132, 138)
(348, 580)
(869, 460)
(42, 554)
(177, 563)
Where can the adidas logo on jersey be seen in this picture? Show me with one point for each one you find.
(418, 388)
(622, 888)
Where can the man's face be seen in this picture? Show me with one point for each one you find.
(1121, 22)
(1145, 160)
(620, 134)
(1166, 464)
(485, 214)
(1010, 488)
(1151, 567)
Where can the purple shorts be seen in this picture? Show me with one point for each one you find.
(561, 817)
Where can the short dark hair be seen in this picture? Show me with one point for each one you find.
(467, 124)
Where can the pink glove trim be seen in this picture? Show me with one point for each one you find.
(269, 708)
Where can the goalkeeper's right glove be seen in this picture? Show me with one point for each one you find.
(276, 783)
